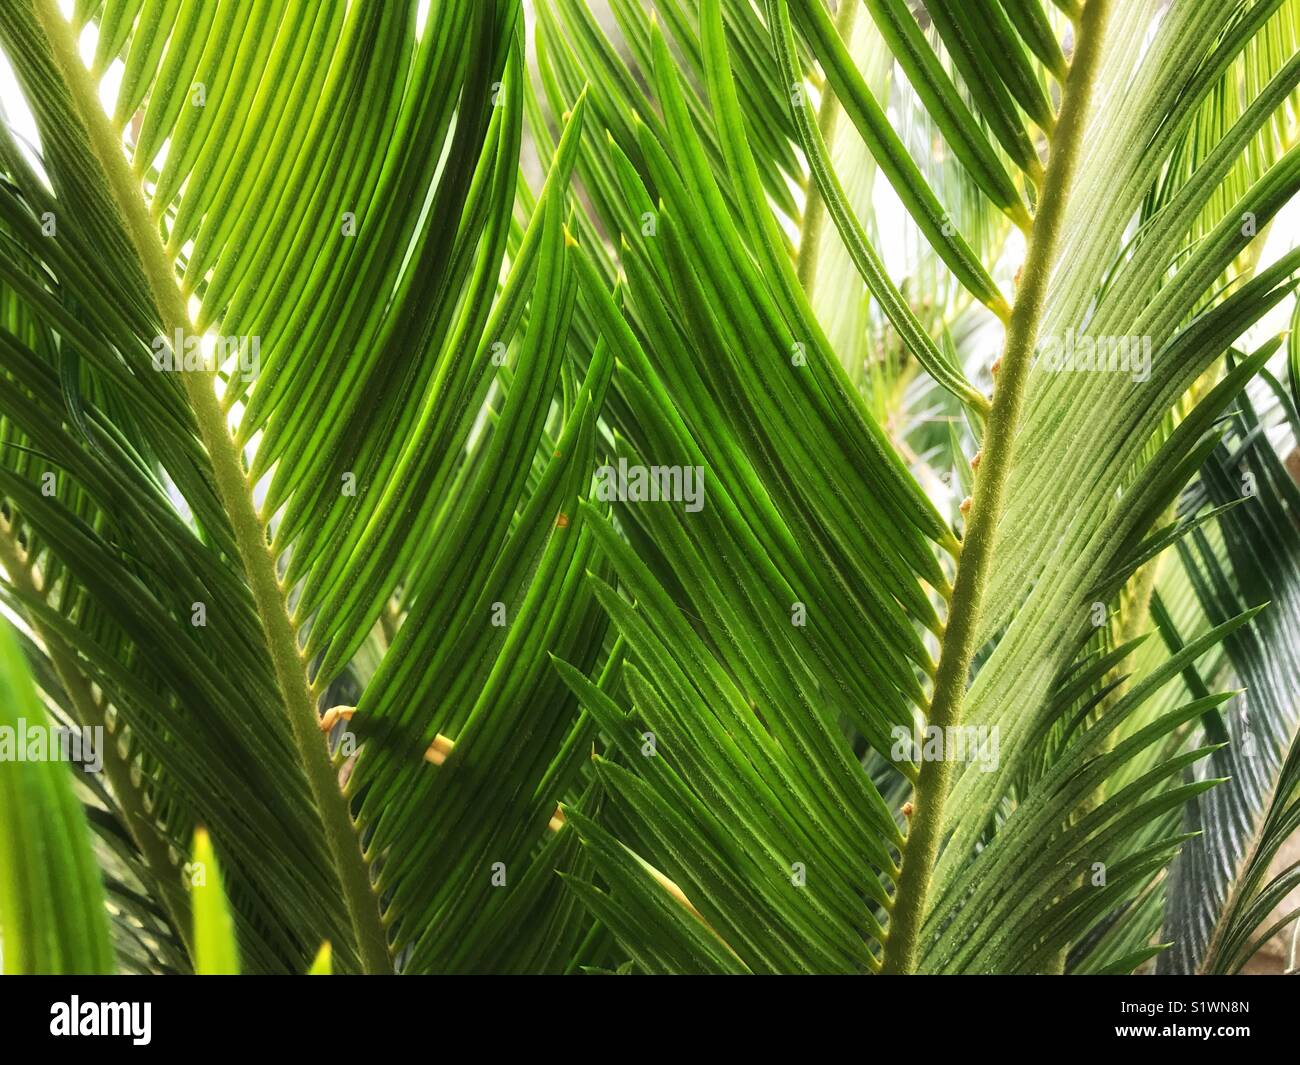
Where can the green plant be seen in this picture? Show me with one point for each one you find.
(361, 595)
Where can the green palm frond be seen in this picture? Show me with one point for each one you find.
(1219, 888)
(51, 900)
(334, 338)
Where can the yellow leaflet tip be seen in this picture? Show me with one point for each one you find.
(322, 963)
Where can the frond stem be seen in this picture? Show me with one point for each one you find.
(814, 212)
(958, 646)
(234, 492)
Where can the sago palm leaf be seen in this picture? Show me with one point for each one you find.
(321, 400)
(203, 605)
(1001, 827)
(1220, 888)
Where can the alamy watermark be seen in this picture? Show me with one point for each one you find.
(131, 1020)
(186, 352)
(651, 484)
(32, 742)
(1087, 354)
(956, 743)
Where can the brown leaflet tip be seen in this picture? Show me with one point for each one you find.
(334, 714)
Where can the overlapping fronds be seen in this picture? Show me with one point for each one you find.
(329, 334)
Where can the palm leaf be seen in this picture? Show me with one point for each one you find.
(51, 898)
(317, 320)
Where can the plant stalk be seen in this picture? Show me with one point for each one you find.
(234, 492)
(814, 212)
(958, 647)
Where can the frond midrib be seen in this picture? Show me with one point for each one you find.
(957, 647)
(234, 493)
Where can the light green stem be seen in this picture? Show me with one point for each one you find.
(814, 212)
(958, 648)
(234, 492)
